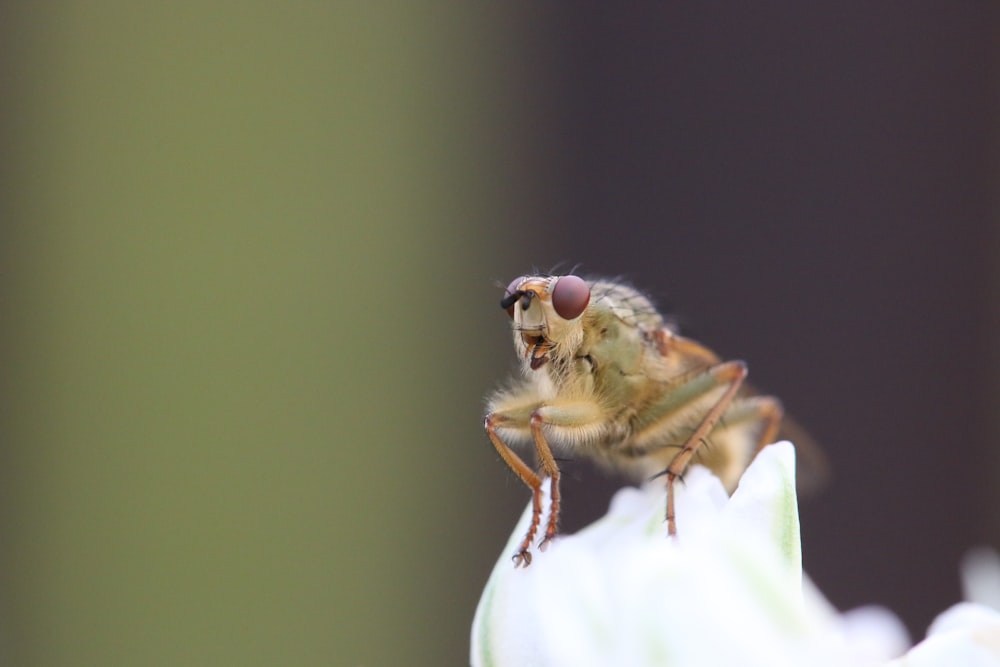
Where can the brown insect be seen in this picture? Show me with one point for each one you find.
(605, 377)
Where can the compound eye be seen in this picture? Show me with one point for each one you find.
(570, 297)
(510, 296)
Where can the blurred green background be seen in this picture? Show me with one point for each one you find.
(243, 388)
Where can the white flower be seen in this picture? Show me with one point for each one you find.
(981, 577)
(728, 591)
(968, 634)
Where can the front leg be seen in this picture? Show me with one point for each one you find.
(567, 423)
(494, 420)
(572, 424)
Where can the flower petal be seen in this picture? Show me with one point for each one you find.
(728, 590)
(967, 634)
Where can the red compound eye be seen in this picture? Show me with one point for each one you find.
(570, 297)
(510, 296)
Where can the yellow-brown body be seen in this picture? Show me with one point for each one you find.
(615, 383)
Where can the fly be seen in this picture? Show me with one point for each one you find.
(605, 377)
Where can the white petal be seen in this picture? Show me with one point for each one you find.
(728, 590)
(981, 577)
(967, 634)
(874, 633)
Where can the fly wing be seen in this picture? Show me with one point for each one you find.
(812, 466)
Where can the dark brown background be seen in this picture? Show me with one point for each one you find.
(811, 189)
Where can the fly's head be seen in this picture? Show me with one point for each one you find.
(547, 314)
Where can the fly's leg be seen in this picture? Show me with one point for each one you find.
(551, 468)
(572, 423)
(765, 410)
(746, 427)
(731, 373)
(526, 475)
(710, 394)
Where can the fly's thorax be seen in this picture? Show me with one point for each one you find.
(626, 304)
(620, 336)
(614, 344)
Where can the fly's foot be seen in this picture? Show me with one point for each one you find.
(522, 558)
